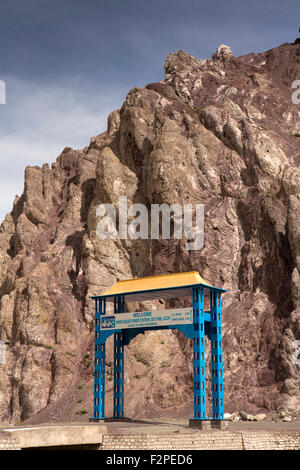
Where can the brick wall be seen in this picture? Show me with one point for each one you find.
(271, 440)
(218, 440)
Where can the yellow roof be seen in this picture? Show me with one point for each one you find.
(143, 287)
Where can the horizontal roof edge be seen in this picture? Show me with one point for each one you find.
(102, 296)
(150, 284)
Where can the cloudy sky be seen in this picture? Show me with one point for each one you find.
(67, 63)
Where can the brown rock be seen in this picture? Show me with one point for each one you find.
(218, 132)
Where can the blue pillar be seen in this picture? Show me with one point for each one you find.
(199, 354)
(216, 356)
(99, 371)
(118, 407)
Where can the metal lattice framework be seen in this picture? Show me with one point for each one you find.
(205, 323)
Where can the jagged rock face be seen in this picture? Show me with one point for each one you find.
(220, 132)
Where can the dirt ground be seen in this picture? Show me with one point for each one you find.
(166, 426)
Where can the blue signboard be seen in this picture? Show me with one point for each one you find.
(180, 316)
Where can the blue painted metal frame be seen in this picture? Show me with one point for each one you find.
(118, 408)
(199, 354)
(99, 374)
(204, 323)
(216, 356)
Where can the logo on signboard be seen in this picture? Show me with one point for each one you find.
(107, 322)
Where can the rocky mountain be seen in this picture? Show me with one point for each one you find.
(222, 132)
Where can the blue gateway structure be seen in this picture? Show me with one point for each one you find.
(195, 322)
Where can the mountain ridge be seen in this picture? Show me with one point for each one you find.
(220, 132)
